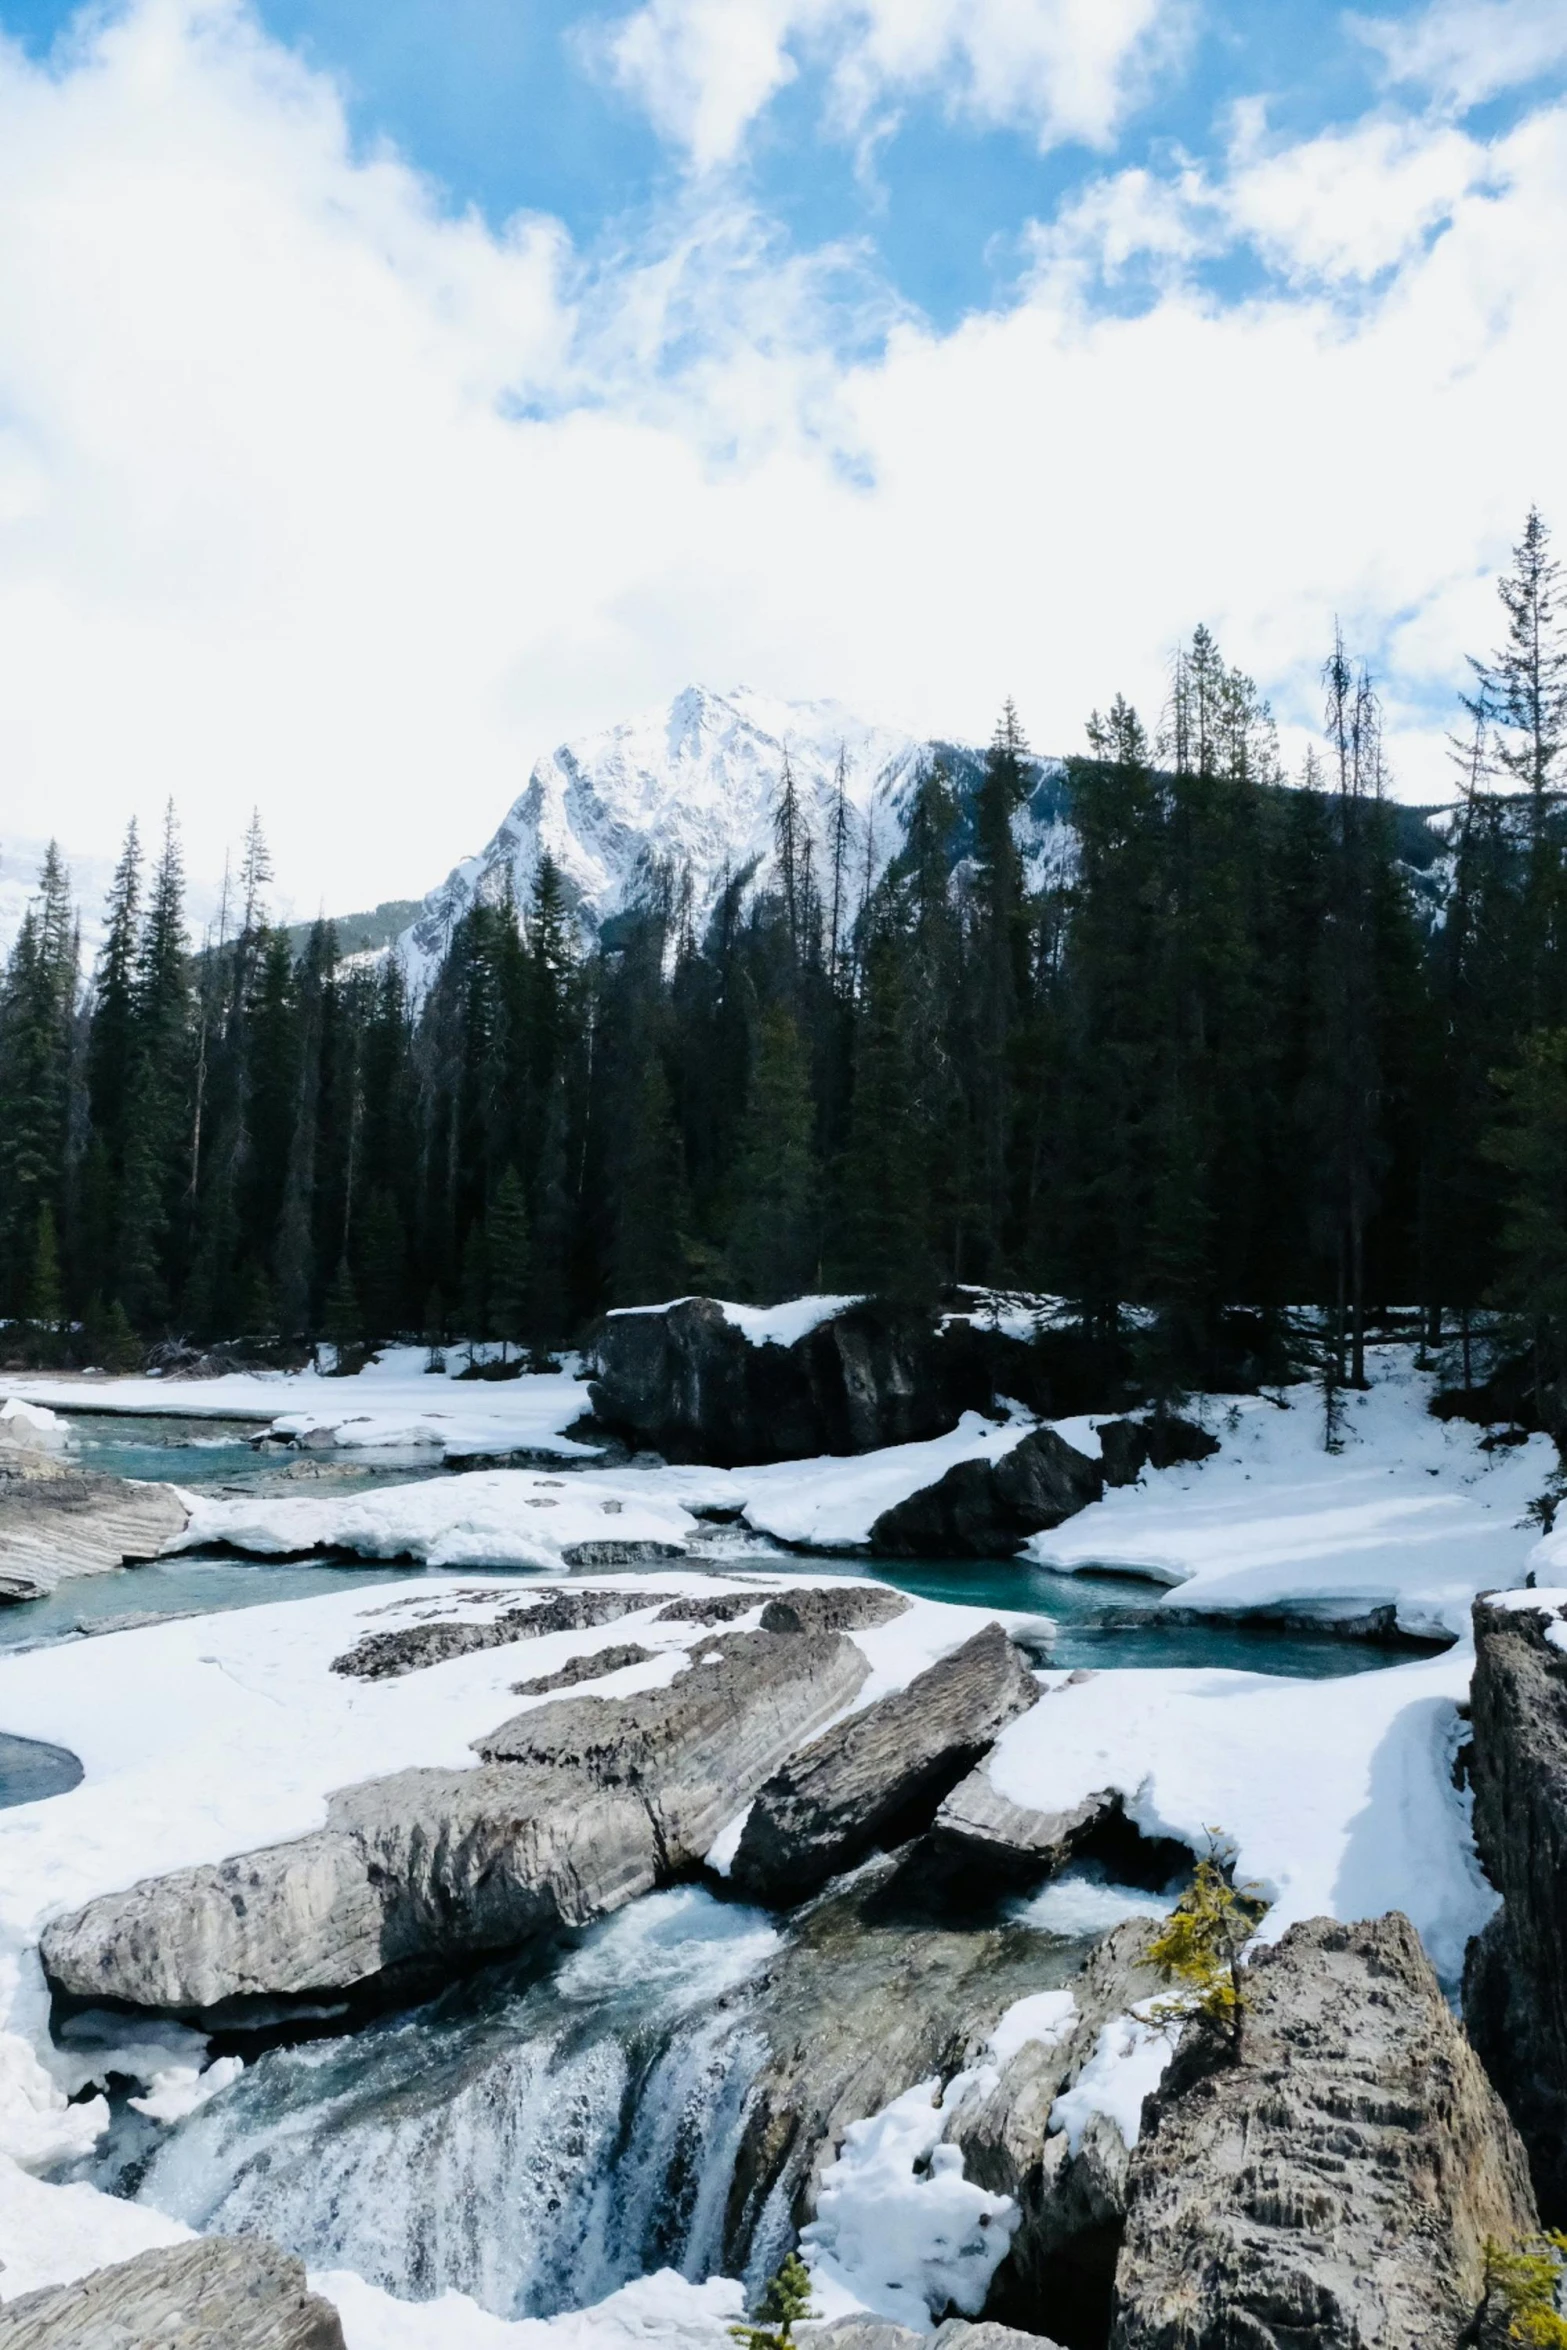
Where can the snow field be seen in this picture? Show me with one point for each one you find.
(1410, 1514)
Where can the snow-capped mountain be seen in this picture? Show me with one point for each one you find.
(693, 784)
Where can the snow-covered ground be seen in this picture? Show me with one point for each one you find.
(1412, 1513)
(393, 1405)
(1336, 1797)
(212, 1735)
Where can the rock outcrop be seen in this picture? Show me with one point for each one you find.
(1060, 2269)
(385, 1656)
(987, 1509)
(580, 1806)
(686, 1381)
(833, 1607)
(1336, 2184)
(872, 1992)
(218, 2293)
(881, 1772)
(1515, 1987)
(55, 1527)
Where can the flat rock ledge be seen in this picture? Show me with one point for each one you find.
(882, 1771)
(578, 1807)
(1336, 2184)
(219, 2293)
(53, 1528)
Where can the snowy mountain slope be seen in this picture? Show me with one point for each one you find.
(693, 785)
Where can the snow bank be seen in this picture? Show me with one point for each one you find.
(1043, 2017)
(1336, 1796)
(1411, 1514)
(484, 1518)
(905, 2245)
(392, 1405)
(656, 2310)
(31, 1424)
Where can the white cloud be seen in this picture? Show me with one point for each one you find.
(314, 498)
(1060, 69)
(1469, 50)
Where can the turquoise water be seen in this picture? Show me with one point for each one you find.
(1076, 1612)
(30, 1770)
(187, 1586)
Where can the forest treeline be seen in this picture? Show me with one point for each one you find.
(1229, 1050)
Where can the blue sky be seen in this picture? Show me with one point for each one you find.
(506, 106)
(389, 388)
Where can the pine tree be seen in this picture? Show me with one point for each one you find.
(772, 1243)
(651, 1248)
(1520, 695)
(383, 1278)
(510, 1260)
(1530, 1144)
(37, 1008)
(343, 1323)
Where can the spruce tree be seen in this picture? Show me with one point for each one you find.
(383, 1275)
(510, 1261)
(772, 1243)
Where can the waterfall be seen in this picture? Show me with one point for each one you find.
(533, 2145)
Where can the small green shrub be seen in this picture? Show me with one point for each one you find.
(1199, 1946)
(1521, 2283)
(786, 2298)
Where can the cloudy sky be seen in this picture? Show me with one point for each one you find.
(390, 388)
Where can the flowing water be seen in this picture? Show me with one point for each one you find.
(533, 2141)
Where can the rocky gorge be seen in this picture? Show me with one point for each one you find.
(530, 1941)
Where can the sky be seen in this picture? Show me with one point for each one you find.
(391, 389)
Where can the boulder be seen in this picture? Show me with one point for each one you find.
(218, 2293)
(580, 1806)
(882, 1771)
(52, 1528)
(1515, 1985)
(1123, 1450)
(833, 1607)
(977, 1824)
(988, 1508)
(1174, 1443)
(1334, 2185)
(686, 1381)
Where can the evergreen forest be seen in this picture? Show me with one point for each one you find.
(1239, 1041)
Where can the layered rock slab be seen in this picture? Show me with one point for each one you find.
(56, 1527)
(1335, 2185)
(219, 2293)
(885, 1768)
(579, 1806)
(1515, 1984)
